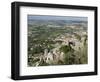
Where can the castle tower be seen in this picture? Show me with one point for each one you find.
(45, 52)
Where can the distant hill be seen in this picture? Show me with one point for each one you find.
(55, 22)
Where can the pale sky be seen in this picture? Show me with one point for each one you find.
(48, 17)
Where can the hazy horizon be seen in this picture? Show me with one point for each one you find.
(49, 17)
